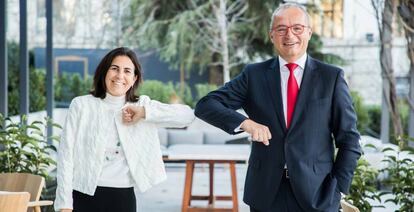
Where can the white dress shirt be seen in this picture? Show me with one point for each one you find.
(284, 76)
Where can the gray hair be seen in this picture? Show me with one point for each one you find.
(286, 6)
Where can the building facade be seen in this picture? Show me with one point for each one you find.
(349, 28)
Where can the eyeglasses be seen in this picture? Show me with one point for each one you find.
(296, 29)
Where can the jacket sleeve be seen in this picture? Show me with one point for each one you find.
(167, 115)
(65, 159)
(346, 135)
(219, 107)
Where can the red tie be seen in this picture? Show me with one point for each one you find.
(292, 92)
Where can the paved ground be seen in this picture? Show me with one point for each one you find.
(167, 196)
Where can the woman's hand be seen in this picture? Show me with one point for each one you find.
(66, 210)
(131, 114)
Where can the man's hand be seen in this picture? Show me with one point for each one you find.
(259, 133)
(131, 114)
(66, 210)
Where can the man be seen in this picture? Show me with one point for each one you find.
(299, 110)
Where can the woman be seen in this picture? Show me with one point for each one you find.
(100, 158)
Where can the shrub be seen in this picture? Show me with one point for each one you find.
(185, 94)
(363, 186)
(204, 89)
(69, 86)
(157, 90)
(25, 146)
(400, 173)
(361, 111)
(374, 116)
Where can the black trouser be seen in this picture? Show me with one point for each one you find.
(106, 199)
(285, 200)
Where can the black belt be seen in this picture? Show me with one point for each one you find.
(285, 173)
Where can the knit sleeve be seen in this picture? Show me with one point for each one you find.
(65, 158)
(167, 115)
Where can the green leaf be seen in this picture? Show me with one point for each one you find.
(370, 146)
(37, 122)
(57, 126)
(391, 200)
(393, 158)
(34, 127)
(388, 149)
(52, 148)
(382, 193)
(55, 138)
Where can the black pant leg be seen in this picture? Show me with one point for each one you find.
(105, 199)
(119, 199)
(83, 202)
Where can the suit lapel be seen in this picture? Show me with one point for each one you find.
(310, 76)
(273, 80)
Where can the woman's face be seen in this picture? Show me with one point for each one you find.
(120, 76)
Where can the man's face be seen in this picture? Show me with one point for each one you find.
(286, 36)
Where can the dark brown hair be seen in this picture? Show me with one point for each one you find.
(99, 88)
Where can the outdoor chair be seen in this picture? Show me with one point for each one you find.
(14, 201)
(19, 182)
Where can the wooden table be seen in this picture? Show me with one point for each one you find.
(210, 154)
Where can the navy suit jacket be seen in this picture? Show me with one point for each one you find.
(323, 119)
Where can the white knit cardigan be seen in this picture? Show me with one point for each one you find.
(82, 147)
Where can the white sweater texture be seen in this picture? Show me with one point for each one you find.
(82, 148)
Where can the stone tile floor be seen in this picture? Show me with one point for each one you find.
(167, 196)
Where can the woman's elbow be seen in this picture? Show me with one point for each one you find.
(188, 116)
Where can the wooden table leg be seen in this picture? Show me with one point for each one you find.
(234, 186)
(189, 171)
(211, 196)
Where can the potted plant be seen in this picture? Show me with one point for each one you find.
(24, 148)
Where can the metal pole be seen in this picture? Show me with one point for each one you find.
(3, 59)
(49, 65)
(24, 61)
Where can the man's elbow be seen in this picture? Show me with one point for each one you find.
(199, 109)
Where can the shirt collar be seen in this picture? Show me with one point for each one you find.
(300, 62)
(114, 100)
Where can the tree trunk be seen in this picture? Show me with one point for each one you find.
(410, 51)
(385, 112)
(406, 11)
(215, 71)
(386, 64)
(182, 79)
(220, 13)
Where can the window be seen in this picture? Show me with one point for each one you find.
(328, 18)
